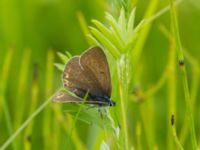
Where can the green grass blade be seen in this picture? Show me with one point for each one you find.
(26, 122)
(63, 57)
(123, 101)
(93, 40)
(22, 86)
(60, 119)
(77, 114)
(59, 66)
(3, 101)
(47, 119)
(122, 24)
(114, 26)
(33, 104)
(171, 89)
(183, 73)
(109, 35)
(175, 133)
(161, 12)
(130, 25)
(105, 42)
(84, 26)
(138, 136)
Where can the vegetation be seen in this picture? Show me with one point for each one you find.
(152, 52)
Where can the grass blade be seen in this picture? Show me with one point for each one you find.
(26, 122)
(183, 73)
(3, 101)
(34, 99)
(22, 85)
(47, 119)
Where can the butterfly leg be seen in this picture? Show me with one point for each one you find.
(100, 112)
(105, 110)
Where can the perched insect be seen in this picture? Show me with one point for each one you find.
(87, 74)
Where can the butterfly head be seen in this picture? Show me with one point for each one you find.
(110, 102)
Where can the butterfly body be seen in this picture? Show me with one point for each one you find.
(107, 101)
(87, 74)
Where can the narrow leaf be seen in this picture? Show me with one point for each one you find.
(131, 20)
(114, 25)
(63, 57)
(105, 42)
(109, 35)
(93, 40)
(122, 23)
(59, 66)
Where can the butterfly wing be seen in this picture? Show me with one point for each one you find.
(76, 81)
(94, 62)
(64, 97)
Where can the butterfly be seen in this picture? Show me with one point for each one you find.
(87, 74)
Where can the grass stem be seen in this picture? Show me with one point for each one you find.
(34, 99)
(175, 134)
(183, 74)
(172, 90)
(138, 136)
(122, 93)
(3, 85)
(47, 119)
(22, 86)
(23, 126)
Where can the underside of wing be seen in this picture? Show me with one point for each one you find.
(95, 64)
(64, 97)
(76, 81)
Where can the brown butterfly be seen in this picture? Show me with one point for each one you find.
(87, 74)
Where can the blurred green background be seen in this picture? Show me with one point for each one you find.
(32, 31)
